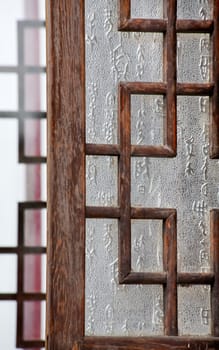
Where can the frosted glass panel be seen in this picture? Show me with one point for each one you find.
(147, 114)
(101, 180)
(191, 9)
(113, 309)
(193, 58)
(147, 245)
(188, 182)
(194, 310)
(146, 181)
(147, 8)
(113, 56)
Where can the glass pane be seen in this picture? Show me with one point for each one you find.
(8, 89)
(8, 315)
(190, 9)
(8, 273)
(34, 273)
(34, 87)
(194, 58)
(147, 245)
(22, 88)
(194, 309)
(35, 227)
(37, 55)
(147, 175)
(187, 182)
(34, 145)
(124, 56)
(147, 115)
(113, 309)
(101, 181)
(147, 8)
(33, 311)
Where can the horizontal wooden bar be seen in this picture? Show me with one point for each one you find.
(195, 278)
(138, 88)
(23, 115)
(22, 69)
(102, 149)
(144, 278)
(152, 151)
(23, 249)
(195, 89)
(31, 159)
(150, 343)
(151, 213)
(32, 205)
(102, 212)
(31, 344)
(143, 25)
(23, 296)
(214, 115)
(194, 26)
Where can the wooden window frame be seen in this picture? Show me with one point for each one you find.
(66, 178)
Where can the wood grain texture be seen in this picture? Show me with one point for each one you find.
(102, 212)
(101, 150)
(169, 75)
(214, 123)
(150, 343)
(214, 223)
(143, 25)
(170, 266)
(66, 173)
(194, 26)
(124, 182)
(192, 89)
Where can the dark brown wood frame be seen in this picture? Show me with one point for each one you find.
(66, 185)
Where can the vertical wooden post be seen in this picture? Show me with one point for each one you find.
(66, 170)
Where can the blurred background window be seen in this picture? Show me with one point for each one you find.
(23, 174)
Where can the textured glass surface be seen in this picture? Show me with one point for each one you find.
(194, 310)
(147, 8)
(8, 273)
(147, 245)
(146, 181)
(101, 181)
(195, 9)
(193, 58)
(113, 309)
(113, 56)
(147, 114)
(188, 183)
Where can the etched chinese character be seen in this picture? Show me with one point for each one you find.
(91, 37)
(108, 25)
(204, 67)
(203, 104)
(141, 62)
(199, 207)
(205, 316)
